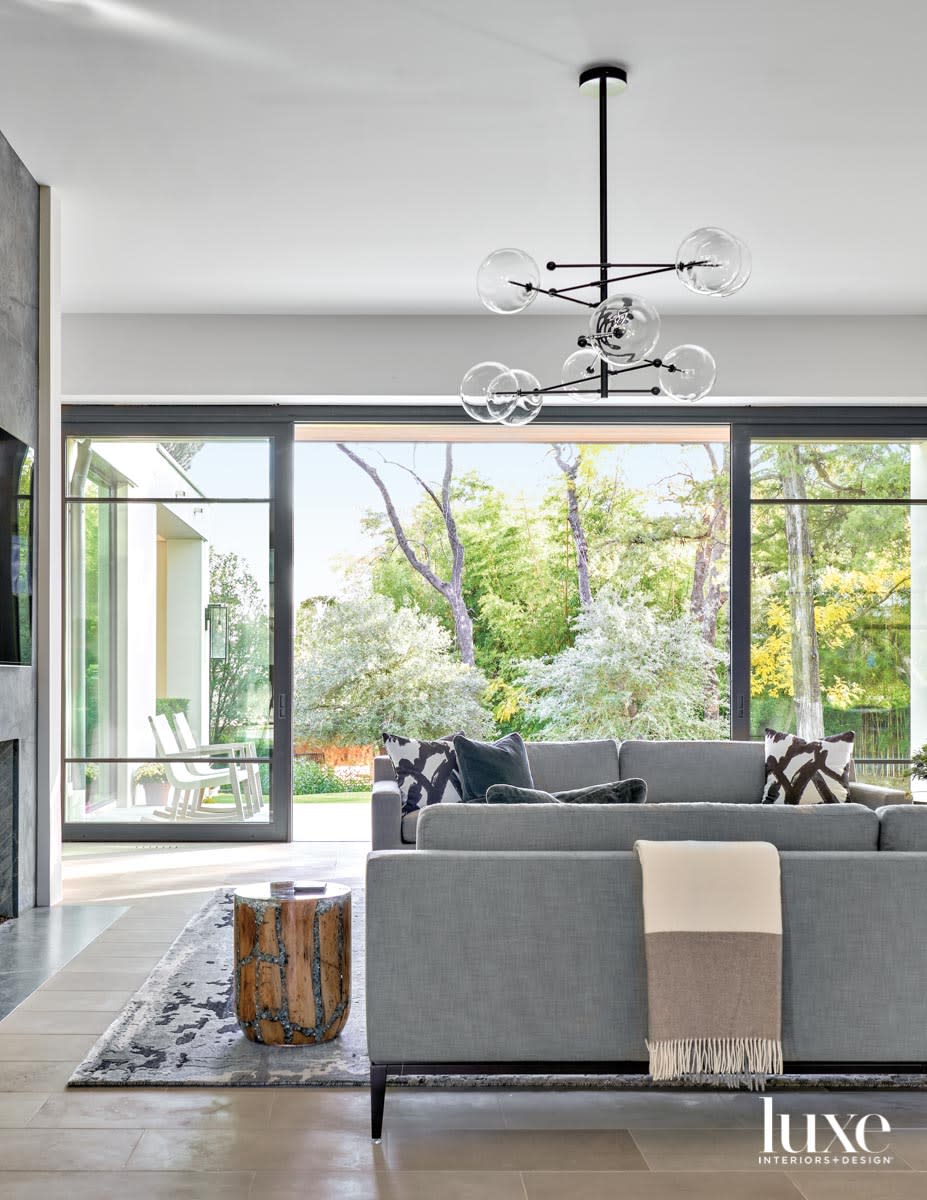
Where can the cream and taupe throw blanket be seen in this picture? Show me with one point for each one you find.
(713, 941)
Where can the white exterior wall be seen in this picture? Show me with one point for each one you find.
(136, 661)
(186, 651)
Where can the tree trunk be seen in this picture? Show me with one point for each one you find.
(709, 583)
(570, 469)
(806, 671)
(451, 589)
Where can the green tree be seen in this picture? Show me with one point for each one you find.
(449, 586)
(239, 686)
(631, 672)
(363, 665)
(831, 589)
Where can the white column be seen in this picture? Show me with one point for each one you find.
(918, 608)
(47, 567)
(186, 653)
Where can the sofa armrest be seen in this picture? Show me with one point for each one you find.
(874, 796)
(383, 769)
(386, 816)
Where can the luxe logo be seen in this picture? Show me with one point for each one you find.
(822, 1137)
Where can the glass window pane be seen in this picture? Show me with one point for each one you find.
(184, 468)
(168, 653)
(818, 470)
(590, 596)
(836, 627)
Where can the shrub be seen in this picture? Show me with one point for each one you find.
(314, 778)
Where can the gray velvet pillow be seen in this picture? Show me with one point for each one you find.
(505, 793)
(625, 791)
(482, 764)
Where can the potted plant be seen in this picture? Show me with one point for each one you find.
(153, 782)
(918, 768)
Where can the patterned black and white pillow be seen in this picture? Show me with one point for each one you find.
(427, 772)
(803, 772)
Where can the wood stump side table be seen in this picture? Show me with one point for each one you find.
(292, 964)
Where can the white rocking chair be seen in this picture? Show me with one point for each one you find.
(248, 773)
(189, 788)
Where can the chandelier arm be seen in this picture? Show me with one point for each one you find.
(556, 295)
(578, 287)
(564, 387)
(641, 274)
(647, 362)
(555, 266)
(594, 391)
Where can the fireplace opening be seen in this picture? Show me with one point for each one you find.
(9, 829)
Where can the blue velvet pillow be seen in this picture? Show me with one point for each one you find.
(482, 764)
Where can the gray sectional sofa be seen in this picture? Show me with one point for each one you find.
(695, 772)
(511, 940)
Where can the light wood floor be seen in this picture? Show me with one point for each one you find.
(272, 1144)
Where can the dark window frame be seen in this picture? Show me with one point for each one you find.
(746, 422)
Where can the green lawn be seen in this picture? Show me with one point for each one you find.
(314, 798)
(334, 798)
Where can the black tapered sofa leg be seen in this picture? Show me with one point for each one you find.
(377, 1100)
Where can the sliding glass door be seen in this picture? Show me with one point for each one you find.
(628, 575)
(175, 696)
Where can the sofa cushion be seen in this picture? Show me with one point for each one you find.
(485, 763)
(903, 827)
(609, 827)
(696, 772)
(410, 825)
(556, 766)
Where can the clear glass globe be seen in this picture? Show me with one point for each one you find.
(488, 392)
(507, 281)
(687, 373)
(582, 365)
(713, 262)
(624, 329)
(527, 406)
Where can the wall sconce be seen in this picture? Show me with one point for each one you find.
(217, 622)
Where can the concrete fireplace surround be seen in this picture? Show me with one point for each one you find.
(19, 382)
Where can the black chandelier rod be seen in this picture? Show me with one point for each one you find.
(603, 215)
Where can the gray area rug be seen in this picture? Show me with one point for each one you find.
(180, 1030)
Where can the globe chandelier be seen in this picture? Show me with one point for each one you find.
(623, 328)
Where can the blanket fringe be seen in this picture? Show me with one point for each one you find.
(731, 1062)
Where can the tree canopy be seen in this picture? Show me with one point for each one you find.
(364, 664)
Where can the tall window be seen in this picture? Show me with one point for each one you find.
(168, 631)
(564, 582)
(839, 587)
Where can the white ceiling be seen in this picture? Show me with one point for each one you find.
(361, 156)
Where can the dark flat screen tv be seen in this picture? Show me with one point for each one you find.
(16, 463)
